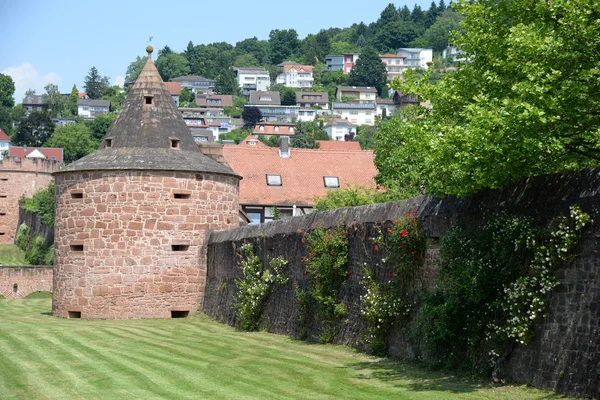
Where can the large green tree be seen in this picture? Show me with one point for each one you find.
(251, 116)
(172, 65)
(528, 103)
(75, 139)
(94, 84)
(57, 103)
(302, 139)
(369, 71)
(282, 44)
(438, 34)
(134, 68)
(34, 130)
(227, 83)
(7, 90)
(99, 126)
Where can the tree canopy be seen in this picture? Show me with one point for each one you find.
(251, 115)
(75, 139)
(369, 71)
(34, 130)
(172, 65)
(7, 89)
(528, 103)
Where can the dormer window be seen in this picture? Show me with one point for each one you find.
(262, 127)
(148, 100)
(276, 128)
(175, 143)
(107, 143)
(331, 181)
(252, 142)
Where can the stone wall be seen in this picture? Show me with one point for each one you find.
(131, 244)
(19, 282)
(18, 178)
(565, 354)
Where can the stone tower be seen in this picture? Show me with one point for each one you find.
(132, 218)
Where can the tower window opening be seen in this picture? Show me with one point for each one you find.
(175, 143)
(74, 314)
(15, 288)
(77, 195)
(107, 143)
(148, 100)
(2, 233)
(179, 314)
(181, 195)
(180, 247)
(76, 247)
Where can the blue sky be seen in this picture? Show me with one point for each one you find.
(58, 41)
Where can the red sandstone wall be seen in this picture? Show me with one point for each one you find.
(20, 178)
(127, 223)
(26, 279)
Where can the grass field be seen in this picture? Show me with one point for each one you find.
(11, 255)
(42, 357)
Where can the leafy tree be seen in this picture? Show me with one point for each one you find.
(116, 95)
(396, 34)
(165, 51)
(343, 47)
(251, 115)
(34, 130)
(259, 49)
(134, 68)
(71, 104)
(192, 56)
(94, 84)
(438, 34)
(172, 65)
(388, 15)
(7, 90)
(246, 60)
(237, 135)
(365, 136)
(99, 126)
(29, 92)
(316, 47)
(287, 94)
(75, 139)
(282, 44)
(404, 13)
(227, 83)
(369, 71)
(431, 15)
(55, 100)
(271, 141)
(526, 105)
(301, 138)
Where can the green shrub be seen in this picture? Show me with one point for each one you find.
(23, 237)
(254, 286)
(42, 203)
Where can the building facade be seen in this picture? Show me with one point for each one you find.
(252, 79)
(90, 109)
(195, 83)
(356, 113)
(295, 75)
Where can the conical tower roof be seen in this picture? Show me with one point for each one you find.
(149, 134)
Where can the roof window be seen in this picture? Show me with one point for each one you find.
(148, 100)
(331, 181)
(274, 180)
(175, 143)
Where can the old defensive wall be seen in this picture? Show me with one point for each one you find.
(565, 354)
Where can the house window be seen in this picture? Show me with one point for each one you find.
(331, 181)
(274, 180)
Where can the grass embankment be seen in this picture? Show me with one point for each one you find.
(12, 256)
(42, 357)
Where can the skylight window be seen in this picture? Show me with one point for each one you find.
(274, 180)
(331, 181)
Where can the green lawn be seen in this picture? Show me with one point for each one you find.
(42, 357)
(11, 255)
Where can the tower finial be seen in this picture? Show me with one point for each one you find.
(149, 50)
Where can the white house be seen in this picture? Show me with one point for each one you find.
(338, 128)
(295, 75)
(252, 79)
(90, 109)
(394, 65)
(357, 113)
(4, 144)
(416, 57)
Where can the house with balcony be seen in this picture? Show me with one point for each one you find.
(342, 62)
(294, 75)
(356, 94)
(312, 105)
(357, 113)
(339, 129)
(214, 100)
(394, 65)
(269, 104)
(252, 79)
(197, 120)
(90, 109)
(195, 83)
(288, 179)
(416, 57)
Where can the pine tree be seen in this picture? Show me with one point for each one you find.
(227, 83)
(369, 71)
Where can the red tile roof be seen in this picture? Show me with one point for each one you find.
(3, 135)
(268, 128)
(174, 87)
(338, 145)
(251, 138)
(301, 174)
(390, 56)
(297, 67)
(49, 152)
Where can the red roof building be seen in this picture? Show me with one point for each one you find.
(338, 145)
(290, 180)
(278, 128)
(46, 153)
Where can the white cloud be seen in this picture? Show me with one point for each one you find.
(26, 76)
(118, 80)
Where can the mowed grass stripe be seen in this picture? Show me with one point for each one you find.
(42, 357)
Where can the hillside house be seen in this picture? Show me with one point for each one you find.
(356, 94)
(197, 84)
(357, 113)
(295, 75)
(252, 79)
(90, 109)
(338, 129)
